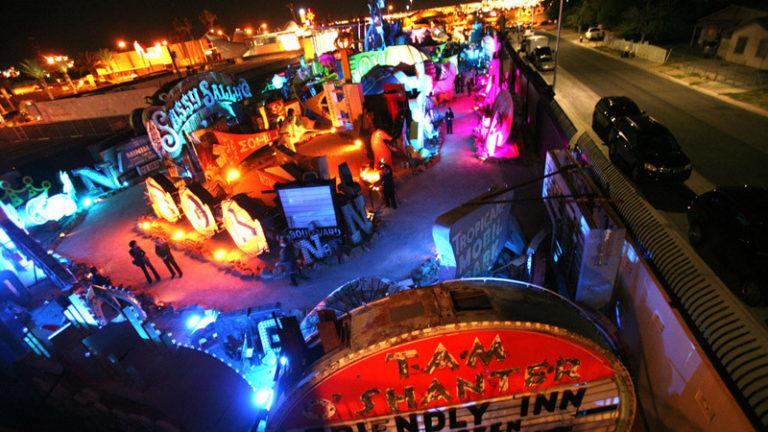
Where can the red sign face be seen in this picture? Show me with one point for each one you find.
(455, 368)
(237, 147)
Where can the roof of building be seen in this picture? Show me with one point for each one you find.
(762, 22)
(731, 16)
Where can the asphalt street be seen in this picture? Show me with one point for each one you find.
(727, 144)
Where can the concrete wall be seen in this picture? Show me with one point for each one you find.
(677, 384)
(754, 33)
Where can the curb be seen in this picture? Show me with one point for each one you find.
(743, 105)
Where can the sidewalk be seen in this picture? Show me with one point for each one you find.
(735, 84)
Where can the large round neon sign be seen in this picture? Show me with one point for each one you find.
(160, 191)
(245, 229)
(198, 205)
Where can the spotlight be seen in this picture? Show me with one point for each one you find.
(219, 254)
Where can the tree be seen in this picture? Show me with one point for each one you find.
(585, 14)
(653, 19)
(292, 7)
(87, 63)
(33, 69)
(208, 19)
(63, 67)
(182, 28)
(105, 57)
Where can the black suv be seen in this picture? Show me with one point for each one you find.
(733, 221)
(609, 109)
(647, 150)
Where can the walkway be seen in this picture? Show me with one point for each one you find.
(405, 239)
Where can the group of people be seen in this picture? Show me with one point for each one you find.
(163, 251)
(465, 81)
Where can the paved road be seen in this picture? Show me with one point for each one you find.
(728, 145)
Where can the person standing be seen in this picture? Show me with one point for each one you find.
(449, 121)
(388, 185)
(140, 260)
(97, 278)
(163, 250)
(288, 260)
(470, 83)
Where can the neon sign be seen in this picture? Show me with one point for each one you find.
(197, 204)
(245, 230)
(160, 191)
(205, 95)
(190, 104)
(490, 376)
(44, 208)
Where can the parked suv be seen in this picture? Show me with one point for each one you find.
(647, 150)
(734, 222)
(595, 34)
(609, 109)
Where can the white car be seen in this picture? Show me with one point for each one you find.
(595, 33)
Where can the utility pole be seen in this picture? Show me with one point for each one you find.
(557, 44)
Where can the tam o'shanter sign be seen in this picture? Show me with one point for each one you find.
(480, 378)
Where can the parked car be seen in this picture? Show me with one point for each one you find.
(647, 150)
(542, 59)
(734, 221)
(595, 34)
(609, 109)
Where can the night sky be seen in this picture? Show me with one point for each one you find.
(30, 28)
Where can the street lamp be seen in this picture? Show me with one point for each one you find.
(121, 44)
(248, 31)
(264, 27)
(557, 44)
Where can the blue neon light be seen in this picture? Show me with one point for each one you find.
(263, 398)
(193, 321)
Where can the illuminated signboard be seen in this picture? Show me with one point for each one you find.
(304, 205)
(244, 228)
(491, 376)
(198, 205)
(361, 63)
(190, 105)
(160, 191)
(233, 148)
(470, 237)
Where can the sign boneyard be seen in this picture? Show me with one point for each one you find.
(472, 355)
